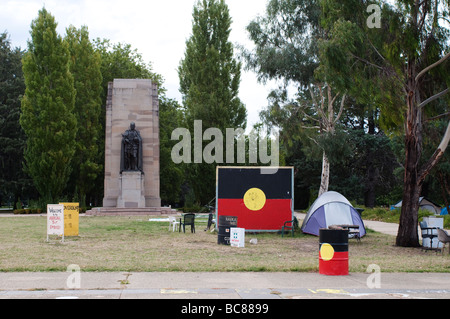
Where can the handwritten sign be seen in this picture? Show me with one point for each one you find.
(55, 220)
(71, 219)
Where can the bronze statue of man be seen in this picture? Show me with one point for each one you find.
(131, 155)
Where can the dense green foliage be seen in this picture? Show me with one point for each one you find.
(12, 138)
(209, 82)
(85, 67)
(308, 45)
(48, 117)
(171, 175)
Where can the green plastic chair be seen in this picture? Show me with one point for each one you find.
(288, 226)
(188, 219)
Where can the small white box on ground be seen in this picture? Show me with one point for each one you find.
(237, 237)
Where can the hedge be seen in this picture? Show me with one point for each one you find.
(28, 211)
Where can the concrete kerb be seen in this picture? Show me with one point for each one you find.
(222, 286)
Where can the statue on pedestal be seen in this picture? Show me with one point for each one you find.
(131, 154)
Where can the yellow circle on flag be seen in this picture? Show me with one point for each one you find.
(326, 252)
(254, 199)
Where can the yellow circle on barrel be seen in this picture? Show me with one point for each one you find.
(254, 199)
(326, 252)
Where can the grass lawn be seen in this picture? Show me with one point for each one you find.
(135, 244)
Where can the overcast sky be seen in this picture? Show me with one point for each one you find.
(157, 29)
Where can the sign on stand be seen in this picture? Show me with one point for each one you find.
(55, 221)
(71, 219)
(237, 237)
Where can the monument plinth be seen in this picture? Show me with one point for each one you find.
(131, 190)
(132, 182)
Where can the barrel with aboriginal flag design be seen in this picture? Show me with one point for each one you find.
(333, 253)
(260, 197)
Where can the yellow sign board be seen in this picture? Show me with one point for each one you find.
(71, 219)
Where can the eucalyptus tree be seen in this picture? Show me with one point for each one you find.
(401, 63)
(286, 41)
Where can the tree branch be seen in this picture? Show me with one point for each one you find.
(444, 18)
(436, 156)
(434, 97)
(319, 108)
(334, 99)
(366, 62)
(379, 54)
(432, 66)
(312, 96)
(315, 142)
(424, 14)
(341, 109)
(309, 117)
(310, 127)
(437, 117)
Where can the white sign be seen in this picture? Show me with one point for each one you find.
(237, 237)
(55, 220)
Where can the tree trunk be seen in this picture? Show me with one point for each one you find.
(407, 232)
(369, 188)
(325, 179)
(414, 176)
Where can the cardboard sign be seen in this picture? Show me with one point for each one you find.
(71, 219)
(55, 220)
(237, 237)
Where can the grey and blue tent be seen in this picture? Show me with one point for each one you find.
(331, 208)
(423, 204)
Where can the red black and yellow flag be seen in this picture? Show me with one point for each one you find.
(261, 202)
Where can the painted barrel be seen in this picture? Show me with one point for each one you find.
(224, 225)
(333, 253)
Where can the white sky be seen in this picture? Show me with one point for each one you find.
(157, 29)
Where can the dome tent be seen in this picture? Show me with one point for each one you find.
(331, 208)
(423, 204)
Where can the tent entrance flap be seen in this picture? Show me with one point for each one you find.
(338, 214)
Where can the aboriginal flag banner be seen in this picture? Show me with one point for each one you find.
(261, 202)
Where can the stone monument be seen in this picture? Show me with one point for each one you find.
(131, 153)
(131, 186)
(131, 149)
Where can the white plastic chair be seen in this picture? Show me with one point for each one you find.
(444, 238)
(173, 223)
